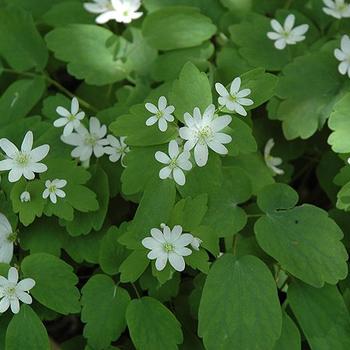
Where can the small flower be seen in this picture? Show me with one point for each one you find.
(24, 162)
(70, 119)
(25, 197)
(53, 190)
(87, 141)
(272, 162)
(235, 99)
(338, 8)
(122, 11)
(12, 291)
(161, 114)
(343, 55)
(168, 245)
(117, 149)
(7, 237)
(287, 35)
(176, 162)
(196, 242)
(202, 132)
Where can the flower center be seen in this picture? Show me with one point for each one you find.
(52, 188)
(71, 118)
(173, 163)
(22, 159)
(204, 134)
(233, 98)
(159, 114)
(90, 140)
(168, 247)
(10, 291)
(126, 13)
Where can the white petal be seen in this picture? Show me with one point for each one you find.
(150, 243)
(8, 147)
(24, 297)
(60, 193)
(53, 198)
(176, 232)
(173, 149)
(151, 108)
(58, 123)
(300, 30)
(151, 120)
(6, 164)
(6, 252)
(162, 102)
(343, 67)
(185, 133)
(39, 153)
(240, 110)
(289, 23)
(15, 174)
(273, 35)
(105, 17)
(162, 157)
(223, 138)
(245, 101)
(243, 93)
(235, 85)
(162, 124)
(217, 147)
(201, 154)
(177, 262)
(13, 275)
(221, 90)
(26, 284)
(280, 44)
(5, 226)
(161, 262)
(339, 54)
(345, 44)
(27, 142)
(62, 111)
(184, 240)
(14, 303)
(183, 251)
(157, 235)
(68, 129)
(4, 305)
(165, 172)
(220, 123)
(179, 176)
(276, 26)
(38, 168)
(74, 108)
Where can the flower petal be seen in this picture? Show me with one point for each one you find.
(4, 305)
(157, 235)
(173, 149)
(162, 157)
(177, 262)
(235, 85)
(74, 108)
(179, 176)
(12, 275)
(201, 154)
(150, 243)
(161, 262)
(26, 284)
(8, 147)
(39, 153)
(165, 172)
(151, 108)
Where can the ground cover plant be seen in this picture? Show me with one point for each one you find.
(175, 174)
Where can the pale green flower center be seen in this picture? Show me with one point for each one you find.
(173, 163)
(168, 247)
(90, 140)
(159, 114)
(204, 134)
(10, 290)
(71, 117)
(22, 159)
(233, 98)
(52, 188)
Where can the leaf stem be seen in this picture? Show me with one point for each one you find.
(136, 290)
(254, 215)
(55, 84)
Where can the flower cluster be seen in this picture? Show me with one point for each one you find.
(91, 141)
(122, 11)
(170, 245)
(201, 131)
(337, 8)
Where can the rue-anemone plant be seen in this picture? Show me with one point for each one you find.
(175, 174)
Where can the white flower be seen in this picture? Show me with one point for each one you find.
(202, 132)
(272, 162)
(235, 99)
(287, 35)
(7, 237)
(168, 245)
(338, 8)
(24, 162)
(161, 114)
(70, 119)
(196, 242)
(343, 55)
(122, 11)
(117, 149)
(12, 291)
(175, 162)
(87, 141)
(53, 189)
(25, 197)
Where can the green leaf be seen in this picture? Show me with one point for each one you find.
(133, 126)
(190, 79)
(20, 43)
(304, 109)
(50, 104)
(198, 55)
(55, 282)
(133, 266)
(322, 315)
(19, 99)
(255, 168)
(303, 239)
(189, 212)
(224, 216)
(340, 125)
(155, 208)
(86, 221)
(25, 331)
(112, 253)
(97, 60)
(185, 27)
(38, 239)
(161, 331)
(106, 322)
(28, 211)
(67, 12)
(290, 336)
(249, 316)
